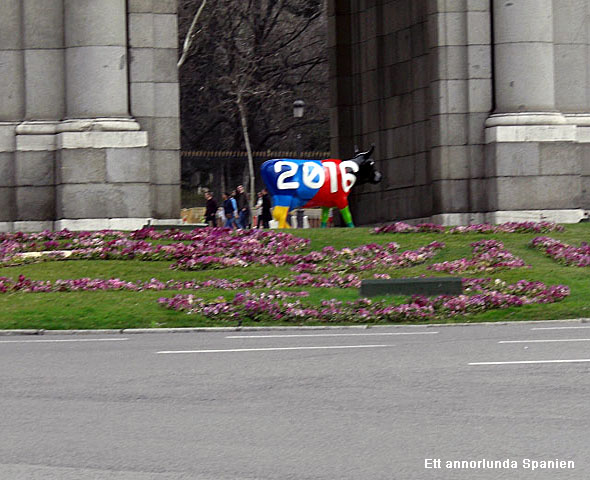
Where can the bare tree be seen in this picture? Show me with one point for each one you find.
(188, 40)
(252, 59)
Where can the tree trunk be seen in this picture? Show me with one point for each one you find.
(244, 120)
(188, 40)
(222, 180)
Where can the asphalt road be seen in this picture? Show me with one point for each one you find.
(381, 403)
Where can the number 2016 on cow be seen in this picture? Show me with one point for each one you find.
(313, 175)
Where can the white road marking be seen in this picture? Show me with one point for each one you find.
(558, 328)
(273, 349)
(548, 340)
(67, 340)
(331, 335)
(523, 362)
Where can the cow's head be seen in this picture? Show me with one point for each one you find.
(367, 172)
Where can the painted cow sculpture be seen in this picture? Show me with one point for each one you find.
(316, 183)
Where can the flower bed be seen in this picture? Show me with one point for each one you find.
(562, 252)
(26, 285)
(486, 295)
(282, 298)
(509, 227)
(208, 248)
(488, 255)
(365, 257)
(401, 227)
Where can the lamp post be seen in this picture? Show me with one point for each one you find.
(298, 108)
(298, 111)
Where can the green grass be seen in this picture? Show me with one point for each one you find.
(96, 310)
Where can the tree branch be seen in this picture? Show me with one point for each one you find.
(188, 40)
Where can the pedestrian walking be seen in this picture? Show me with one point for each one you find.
(266, 209)
(243, 207)
(258, 211)
(230, 210)
(210, 209)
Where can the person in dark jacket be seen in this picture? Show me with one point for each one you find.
(229, 208)
(266, 208)
(210, 209)
(243, 207)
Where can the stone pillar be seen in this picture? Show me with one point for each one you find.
(154, 92)
(532, 159)
(96, 58)
(44, 108)
(103, 161)
(524, 64)
(11, 59)
(12, 103)
(44, 59)
(572, 77)
(459, 104)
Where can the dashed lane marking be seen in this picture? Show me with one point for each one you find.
(273, 349)
(549, 340)
(558, 328)
(332, 335)
(58, 340)
(530, 362)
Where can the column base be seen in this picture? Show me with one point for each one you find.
(574, 215)
(103, 174)
(529, 127)
(582, 123)
(91, 224)
(28, 226)
(533, 167)
(86, 224)
(526, 118)
(52, 127)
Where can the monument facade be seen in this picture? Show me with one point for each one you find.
(479, 109)
(89, 114)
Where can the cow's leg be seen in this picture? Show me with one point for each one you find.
(347, 216)
(325, 216)
(280, 215)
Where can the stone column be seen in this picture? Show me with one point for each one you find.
(12, 103)
(44, 108)
(532, 159)
(44, 59)
(96, 58)
(524, 64)
(572, 77)
(103, 164)
(154, 96)
(11, 59)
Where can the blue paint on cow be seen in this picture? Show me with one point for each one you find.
(285, 183)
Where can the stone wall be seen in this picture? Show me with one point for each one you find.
(536, 137)
(154, 89)
(479, 109)
(82, 145)
(380, 84)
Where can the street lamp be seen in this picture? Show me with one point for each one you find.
(298, 108)
(298, 111)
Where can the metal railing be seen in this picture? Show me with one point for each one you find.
(260, 154)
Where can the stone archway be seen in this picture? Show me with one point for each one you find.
(89, 123)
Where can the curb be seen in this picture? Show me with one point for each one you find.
(134, 331)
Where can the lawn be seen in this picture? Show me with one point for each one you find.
(98, 309)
